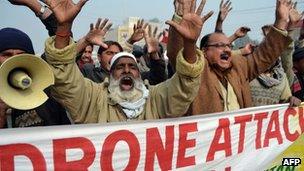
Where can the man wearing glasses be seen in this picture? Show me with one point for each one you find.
(226, 75)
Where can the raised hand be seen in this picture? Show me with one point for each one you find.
(65, 11)
(191, 25)
(96, 34)
(241, 32)
(295, 17)
(152, 40)
(138, 31)
(283, 8)
(248, 49)
(182, 6)
(225, 8)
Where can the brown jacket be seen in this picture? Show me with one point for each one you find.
(243, 70)
(88, 102)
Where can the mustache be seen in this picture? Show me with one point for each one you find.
(126, 76)
(225, 55)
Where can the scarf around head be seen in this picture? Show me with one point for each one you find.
(275, 78)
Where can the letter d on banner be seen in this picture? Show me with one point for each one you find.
(8, 152)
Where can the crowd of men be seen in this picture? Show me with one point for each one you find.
(130, 82)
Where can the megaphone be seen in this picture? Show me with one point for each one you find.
(22, 81)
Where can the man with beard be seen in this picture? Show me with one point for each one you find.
(124, 97)
(226, 76)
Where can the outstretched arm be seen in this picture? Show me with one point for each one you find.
(65, 12)
(157, 73)
(239, 33)
(43, 12)
(225, 8)
(176, 40)
(95, 35)
(190, 29)
(295, 17)
(274, 44)
(70, 88)
(183, 87)
(137, 35)
(138, 32)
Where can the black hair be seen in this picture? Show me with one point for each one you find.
(205, 41)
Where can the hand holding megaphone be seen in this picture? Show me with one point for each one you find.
(22, 81)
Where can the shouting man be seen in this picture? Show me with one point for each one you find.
(124, 96)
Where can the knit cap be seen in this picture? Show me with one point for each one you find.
(11, 38)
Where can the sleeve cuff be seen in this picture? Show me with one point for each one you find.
(283, 32)
(176, 18)
(65, 55)
(128, 47)
(187, 69)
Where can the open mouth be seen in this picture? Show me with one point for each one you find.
(224, 56)
(126, 83)
(86, 59)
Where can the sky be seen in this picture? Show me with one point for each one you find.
(251, 13)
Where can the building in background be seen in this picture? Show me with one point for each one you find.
(123, 32)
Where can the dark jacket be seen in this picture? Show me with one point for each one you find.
(49, 113)
(96, 74)
(157, 73)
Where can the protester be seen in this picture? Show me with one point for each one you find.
(153, 55)
(226, 76)
(138, 52)
(124, 97)
(298, 63)
(14, 42)
(85, 57)
(298, 85)
(272, 87)
(225, 8)
(155, 75)
(104, 55)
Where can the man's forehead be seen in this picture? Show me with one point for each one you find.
(218, 37)
(113, 48)
(126, 59)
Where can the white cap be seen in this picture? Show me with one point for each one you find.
(120, 55)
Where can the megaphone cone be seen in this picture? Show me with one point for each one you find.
(22, 81)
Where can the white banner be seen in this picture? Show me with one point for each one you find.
(248, 139)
